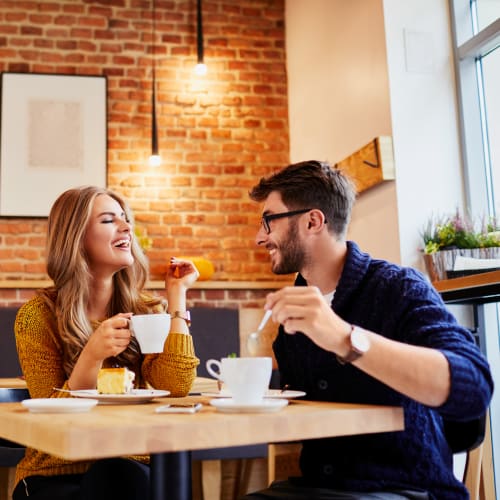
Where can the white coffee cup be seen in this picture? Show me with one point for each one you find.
(247, 379)
(150, 330)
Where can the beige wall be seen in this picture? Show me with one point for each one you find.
(339, 100)
(352, 77)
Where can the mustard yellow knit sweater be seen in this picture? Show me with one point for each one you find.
(40, 351)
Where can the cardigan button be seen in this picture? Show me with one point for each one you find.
(322, 384)
(327, 469)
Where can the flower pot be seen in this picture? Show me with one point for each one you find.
(440, 263)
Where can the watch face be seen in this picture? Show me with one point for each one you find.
(359, 340)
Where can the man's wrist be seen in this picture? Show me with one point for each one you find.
(359, 345)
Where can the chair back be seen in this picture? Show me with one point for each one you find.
(11, 453)
(9, 362)
(215, 333)
(465, 436)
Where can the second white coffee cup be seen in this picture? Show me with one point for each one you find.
(247, 379)
(150, 330)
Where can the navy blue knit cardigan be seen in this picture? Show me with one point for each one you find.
(400, 304)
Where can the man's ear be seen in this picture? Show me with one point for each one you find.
(316, 219)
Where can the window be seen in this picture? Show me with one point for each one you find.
(476, 29)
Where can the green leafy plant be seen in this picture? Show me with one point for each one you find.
(459, 231)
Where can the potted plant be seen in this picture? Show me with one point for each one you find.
(446, 237)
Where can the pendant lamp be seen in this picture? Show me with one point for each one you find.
(201, 68)
(155, 158)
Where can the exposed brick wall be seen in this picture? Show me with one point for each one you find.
(218, 134)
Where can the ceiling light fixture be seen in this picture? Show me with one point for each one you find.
(201, 67)
(155, 158)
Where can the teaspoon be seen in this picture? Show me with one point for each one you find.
(254, 338)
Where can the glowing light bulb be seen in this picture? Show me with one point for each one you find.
(200, 69)
(154, 160)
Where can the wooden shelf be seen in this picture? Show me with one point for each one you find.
(475, 288)
(159, 285)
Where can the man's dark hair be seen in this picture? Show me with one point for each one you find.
(312, 184)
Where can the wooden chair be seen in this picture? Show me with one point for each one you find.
(474, 438)
(286, 454)
(215, 335)
(10, 453)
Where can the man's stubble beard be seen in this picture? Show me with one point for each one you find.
(292, 255)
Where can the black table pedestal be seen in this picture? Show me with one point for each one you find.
(171, 476)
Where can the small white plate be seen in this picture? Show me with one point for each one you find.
(270, 394)
(58, 405)
(136, 396)
(227, 405)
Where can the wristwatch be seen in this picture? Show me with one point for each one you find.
(186, 316)
(360, 344)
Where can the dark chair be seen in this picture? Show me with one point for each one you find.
(215, 333)
(465, 436)
(468, 437)
(9, 363)
(10, 453)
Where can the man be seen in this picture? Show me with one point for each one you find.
(360, 330)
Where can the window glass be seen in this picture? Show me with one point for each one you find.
(487, 12)
(491, 83)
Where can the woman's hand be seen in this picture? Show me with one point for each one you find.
(181, 272)
(111, 338)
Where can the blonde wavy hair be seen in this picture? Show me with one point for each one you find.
(67, 266)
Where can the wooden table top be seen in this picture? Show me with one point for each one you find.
(13, 383)
(116, 430)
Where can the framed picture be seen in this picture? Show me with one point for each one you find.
(53, 136)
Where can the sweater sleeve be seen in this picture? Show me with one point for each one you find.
(174, 369)
(424, 320)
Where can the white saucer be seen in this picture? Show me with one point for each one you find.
(135, 396)
(278, 393)
(59, 405)
(270, 393)
(227, 405)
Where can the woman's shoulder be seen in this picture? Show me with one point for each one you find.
(37, 306)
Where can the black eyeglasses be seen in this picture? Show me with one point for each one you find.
(266, 219)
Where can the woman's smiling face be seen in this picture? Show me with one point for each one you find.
(108, 237)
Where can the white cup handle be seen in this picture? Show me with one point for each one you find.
(210, 370)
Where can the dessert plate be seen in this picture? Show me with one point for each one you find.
(270, 394)
(58, 405)
(227, 405)
(136, 396)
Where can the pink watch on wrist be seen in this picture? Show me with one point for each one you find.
(186, 316)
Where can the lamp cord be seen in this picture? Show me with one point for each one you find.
(154, 128)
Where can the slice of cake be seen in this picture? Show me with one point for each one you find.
(115, 381)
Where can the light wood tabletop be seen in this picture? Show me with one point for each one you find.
(114, 430)
(13, 383)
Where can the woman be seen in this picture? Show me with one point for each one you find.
(67, 332)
